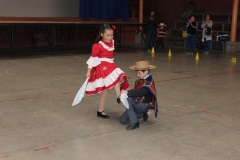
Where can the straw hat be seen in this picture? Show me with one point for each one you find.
(162, 24)
(142, 65)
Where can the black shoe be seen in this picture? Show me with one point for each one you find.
(132, 126)
(162, 51)
(145, 116)
(118, 99)
(99, 114)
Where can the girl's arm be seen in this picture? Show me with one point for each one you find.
(209, 24)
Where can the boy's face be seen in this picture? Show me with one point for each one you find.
(141, 74)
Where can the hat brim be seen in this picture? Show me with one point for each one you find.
(150, 67)
(162, 25)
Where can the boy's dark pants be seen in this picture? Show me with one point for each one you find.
(160, 41)
(134, 112)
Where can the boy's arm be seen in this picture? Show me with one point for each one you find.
(138, 93)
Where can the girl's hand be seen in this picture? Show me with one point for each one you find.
(88, 72)
(88, 75)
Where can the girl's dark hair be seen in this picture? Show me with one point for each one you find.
(102, 30)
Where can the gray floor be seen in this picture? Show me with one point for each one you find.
(198, 109)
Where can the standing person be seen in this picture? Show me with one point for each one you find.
(141, 98)
(103, 74)
(207, 33)
(190, 9)
(191, 34)
(161, 34)
(151, 30)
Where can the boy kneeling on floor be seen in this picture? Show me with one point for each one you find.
(141, 98)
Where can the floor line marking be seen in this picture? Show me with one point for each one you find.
(204, 111)
(4, 157)
(182, 78)
(166, 80)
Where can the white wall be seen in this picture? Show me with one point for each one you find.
(39, 8)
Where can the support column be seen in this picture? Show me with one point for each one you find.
(234, 20)
(140, 11)
(140, 36)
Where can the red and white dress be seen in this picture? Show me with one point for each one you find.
(104, 73)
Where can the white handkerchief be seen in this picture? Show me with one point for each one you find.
(80, 94)
(124, 100)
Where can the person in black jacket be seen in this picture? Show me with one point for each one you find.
(191, 34)
(151, 30)
(141, 98)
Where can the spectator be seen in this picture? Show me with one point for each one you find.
(207, 33)
(161, 34)
(191, 34)
(190, 9)
(151, 30)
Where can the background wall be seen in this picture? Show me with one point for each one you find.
(169, 11)
(39, 8)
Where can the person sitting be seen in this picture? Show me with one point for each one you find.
(190, 9)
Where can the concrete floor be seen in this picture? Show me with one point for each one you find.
(198, 109)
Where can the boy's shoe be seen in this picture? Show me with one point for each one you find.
(156, 50)
(162, 50)
(149, 50)
(145, 116)
(132, 126)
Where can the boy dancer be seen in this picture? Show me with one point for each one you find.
(141, 98)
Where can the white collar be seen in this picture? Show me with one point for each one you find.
(146, 77)
(107, 47)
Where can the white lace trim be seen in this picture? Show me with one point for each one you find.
(93, 62)
(107, 47)
(109, 60)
